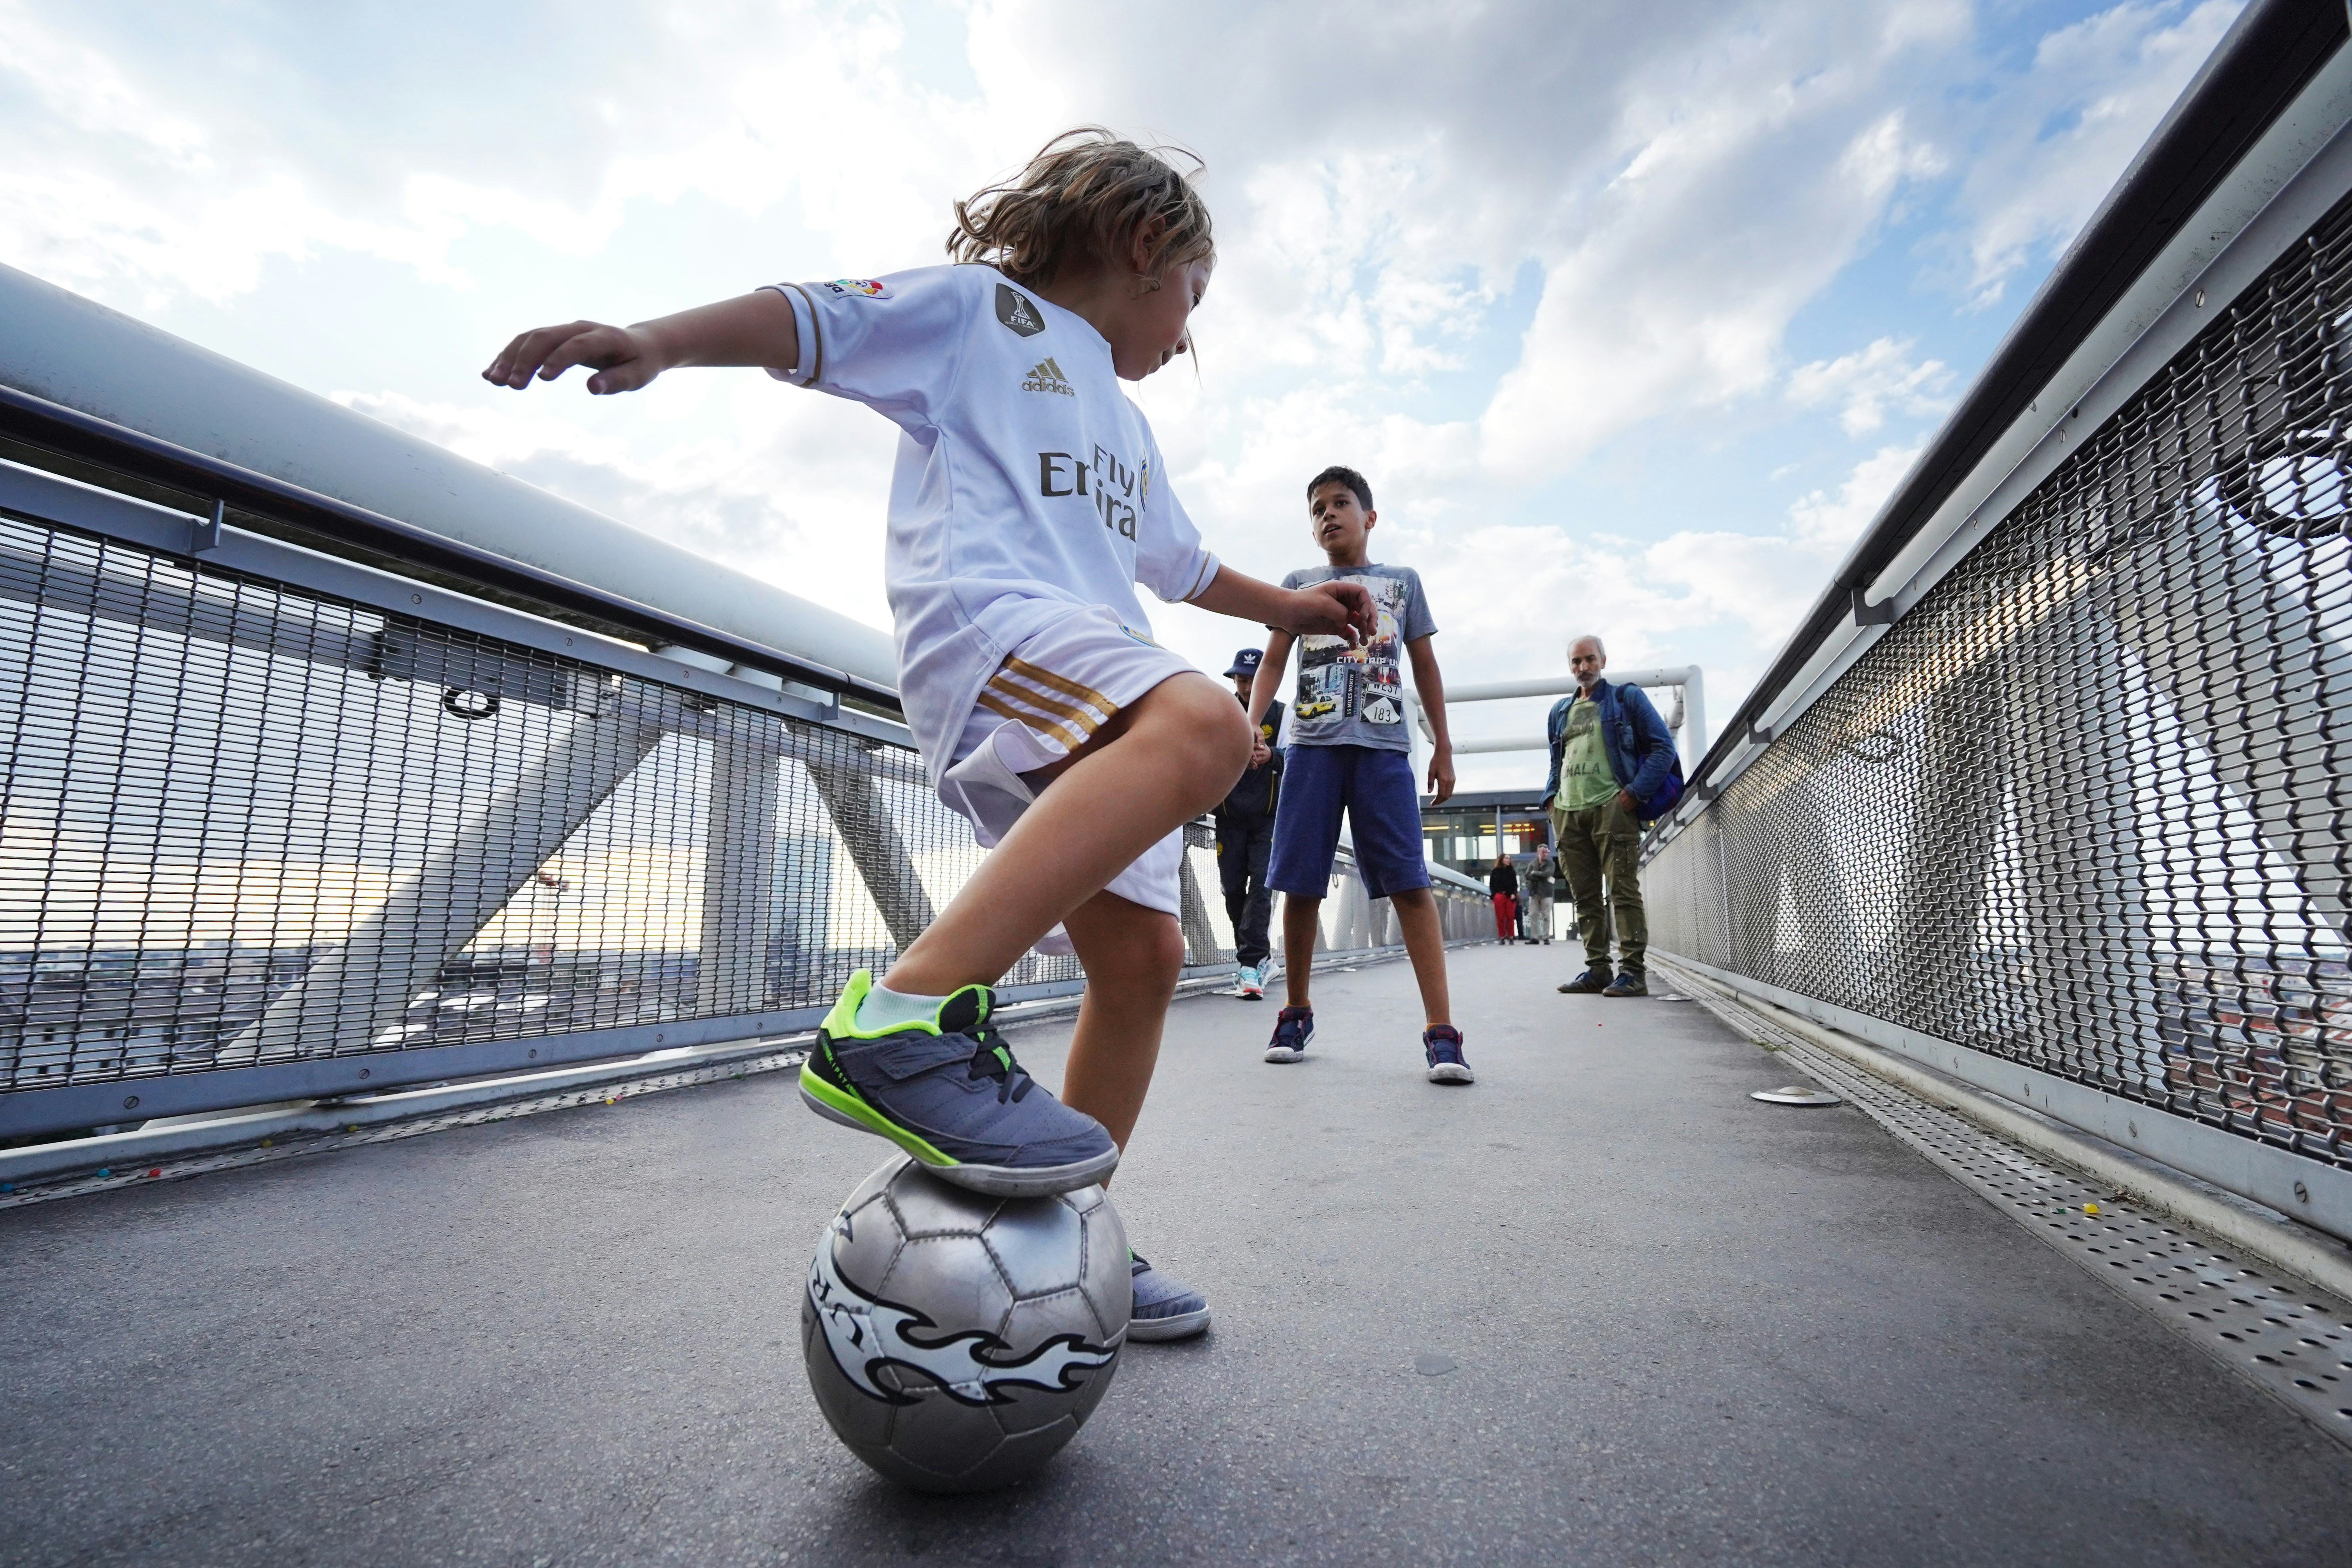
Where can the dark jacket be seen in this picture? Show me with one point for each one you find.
(1254, 793)
(1640, 749)
(1503, 878)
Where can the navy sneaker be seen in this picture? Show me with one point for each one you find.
(1594, 979)
(1442, 1043)
(948, 1092)
(1164, 1308)
(1629, 983)
(1293, 1028)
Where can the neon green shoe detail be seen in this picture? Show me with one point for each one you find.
(849, 1105)
(947, 1092)
(841, 1022)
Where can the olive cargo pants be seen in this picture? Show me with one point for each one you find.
(1599, 848)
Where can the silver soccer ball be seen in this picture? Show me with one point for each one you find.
(954, 1341)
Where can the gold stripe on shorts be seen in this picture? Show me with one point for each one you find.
(1066, 687)
(1045, 710)
(1085, 719)
(1070, 740)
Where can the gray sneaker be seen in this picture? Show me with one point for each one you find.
(1164, 1308)
(950, 1093)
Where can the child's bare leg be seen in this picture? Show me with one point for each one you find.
(1301, 922)
(1424, 943)
(1182, 746)
(1133, 956)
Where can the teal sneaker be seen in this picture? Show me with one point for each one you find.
(948, 1092)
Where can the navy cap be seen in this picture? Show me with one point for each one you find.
(1246, 661)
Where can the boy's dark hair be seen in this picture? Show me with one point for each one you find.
(1339, 475)
(1080, 203)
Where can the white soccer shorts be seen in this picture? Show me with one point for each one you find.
(1046, 701)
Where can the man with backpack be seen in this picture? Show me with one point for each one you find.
(1613, 769)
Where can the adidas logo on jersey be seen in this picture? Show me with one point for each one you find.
(1046, 376)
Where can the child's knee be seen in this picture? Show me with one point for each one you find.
(1224, 726)
(1212, 730)
(1164, 955)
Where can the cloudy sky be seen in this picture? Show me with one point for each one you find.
(1633, 312)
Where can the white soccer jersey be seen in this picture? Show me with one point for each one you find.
(1026, 482)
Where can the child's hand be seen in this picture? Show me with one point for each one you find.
(1334, 609)
(1441, 774)
(622, 359)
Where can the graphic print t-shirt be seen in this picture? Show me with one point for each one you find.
(1026, 482)
(1355, 696)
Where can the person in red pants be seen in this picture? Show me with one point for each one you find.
(1503, 881)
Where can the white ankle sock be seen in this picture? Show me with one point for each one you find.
(884, 1008)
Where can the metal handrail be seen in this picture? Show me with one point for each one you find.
(70, 432)
(2267, 57)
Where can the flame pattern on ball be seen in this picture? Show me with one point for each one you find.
(867, 1333)
(954, 1341)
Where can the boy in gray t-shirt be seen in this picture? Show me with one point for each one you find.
(1351, 752)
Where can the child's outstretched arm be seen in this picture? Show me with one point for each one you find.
(1327, 609)
(752, 330)
(1431, 685)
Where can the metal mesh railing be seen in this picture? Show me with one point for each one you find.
(2083, 807)
(248, 822)
(241, 822)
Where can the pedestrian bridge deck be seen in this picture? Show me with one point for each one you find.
(1600, 1307)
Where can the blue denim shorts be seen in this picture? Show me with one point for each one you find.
(1374, 786)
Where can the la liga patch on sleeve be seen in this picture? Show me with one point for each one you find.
(864, 288)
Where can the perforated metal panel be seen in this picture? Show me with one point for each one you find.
(2081, 807)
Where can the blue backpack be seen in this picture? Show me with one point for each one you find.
(1666, 797)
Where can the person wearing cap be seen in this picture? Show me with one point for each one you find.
(1246, 836)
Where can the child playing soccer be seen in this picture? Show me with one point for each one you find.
(1029, 499)
(1350, 752)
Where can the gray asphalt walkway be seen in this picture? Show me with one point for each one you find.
(1600, 1308)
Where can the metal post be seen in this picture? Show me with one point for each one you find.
(854, 798)
(1693, 719)
(739, 879)
(1199, 936)
(363, 988)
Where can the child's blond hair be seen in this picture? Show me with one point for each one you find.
(1080, 204)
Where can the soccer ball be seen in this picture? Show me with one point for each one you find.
(954, 1341)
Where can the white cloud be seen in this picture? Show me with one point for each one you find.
(154, 174)
(1467, 248)
(1828, 522)
(1767, 582)
(764, 489)
(1865, 385)
(2069, 127)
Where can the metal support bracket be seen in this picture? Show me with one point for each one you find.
(1866, 613)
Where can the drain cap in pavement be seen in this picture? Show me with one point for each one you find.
(1795, 1094)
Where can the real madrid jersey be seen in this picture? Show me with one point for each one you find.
(1027, 482)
